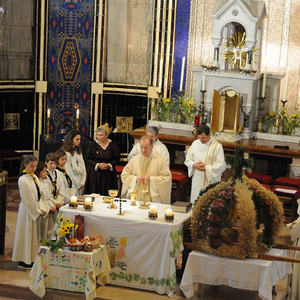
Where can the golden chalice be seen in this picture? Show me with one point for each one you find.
(113, 194)
(133, 198)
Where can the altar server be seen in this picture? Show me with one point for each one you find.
(46, 203)
(55, 180)
(147, 173)
(205, 161)
(26, 241)
(61, 158)
(158, 146)
(75, 165)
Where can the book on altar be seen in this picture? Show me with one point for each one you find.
(180, 206)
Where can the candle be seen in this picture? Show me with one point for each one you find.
(286, 86)
(48, 113)
(160, 74)
(153, 209)
(73, 200)
(88, 201)
(182, 73)
(169, 212)
(77, 113)
(203, 83)
(263, 91)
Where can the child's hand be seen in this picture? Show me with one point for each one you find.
(43, 213)
(52, 209)
(58, 206)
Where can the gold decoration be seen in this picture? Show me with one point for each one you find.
(124, 124)
(11, 121)
(236, 53)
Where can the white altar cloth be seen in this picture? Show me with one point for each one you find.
(142, 252)
(248, 274)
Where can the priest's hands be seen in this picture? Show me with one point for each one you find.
(143, 179)
(199, 165)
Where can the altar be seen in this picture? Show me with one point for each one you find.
(142, 252)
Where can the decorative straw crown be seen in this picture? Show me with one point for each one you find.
(106, 128)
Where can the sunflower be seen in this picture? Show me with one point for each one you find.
(191, 104)
(60, 220)
(67, 221)
(167, 100)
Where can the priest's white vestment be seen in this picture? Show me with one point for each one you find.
(26, 241)
(212, 154)
(160, 185)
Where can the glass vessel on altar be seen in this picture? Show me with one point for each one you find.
(144, 204)
(133, 198)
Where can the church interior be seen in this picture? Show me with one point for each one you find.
(175, 65)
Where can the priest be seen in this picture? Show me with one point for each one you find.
(158, 146)
(205, 161)
(147, 174)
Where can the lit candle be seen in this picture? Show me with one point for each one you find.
(48, 113)
(169, 212)
(263, 91)
(182, 73)
(203, 83)
(160, 74)
(77, 113)
(153, 209)
(73, 200)
(286, 85)
(88, 201)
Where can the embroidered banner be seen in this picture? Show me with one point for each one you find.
(69, 64)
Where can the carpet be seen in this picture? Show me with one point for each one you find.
(12, 196)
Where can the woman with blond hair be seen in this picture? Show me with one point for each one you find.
(102, 157)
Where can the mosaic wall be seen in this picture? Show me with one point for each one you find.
(69, 63)
(281, 42)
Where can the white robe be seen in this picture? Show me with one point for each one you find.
(160, 178)
(68, 192)
(158, 147)
(212, 154)
(75, 167)
(294, 292)
(60, 188)
(46, 223)
(26, 241)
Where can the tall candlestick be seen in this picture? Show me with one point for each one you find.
(263, 91)
(203, 83)
(48, 113)
(77, 113)
(286, 85)
(182, 73)
(160, 74)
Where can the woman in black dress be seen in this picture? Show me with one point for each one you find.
(101, 158)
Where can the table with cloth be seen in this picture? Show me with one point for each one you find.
(74, 271)
(142, 252)
(248, 274)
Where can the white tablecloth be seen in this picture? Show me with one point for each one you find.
(142, 252)
(249, 274)
(69, 270)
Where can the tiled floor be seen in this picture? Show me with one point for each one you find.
(11, 275)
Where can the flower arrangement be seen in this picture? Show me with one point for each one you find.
(289, 122)
(66, 228)
(179, 109)
(271, 118)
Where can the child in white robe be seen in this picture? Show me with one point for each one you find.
(26, 241)
(75, 165)
(56, 183)
(61, 157)
(46, 203)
